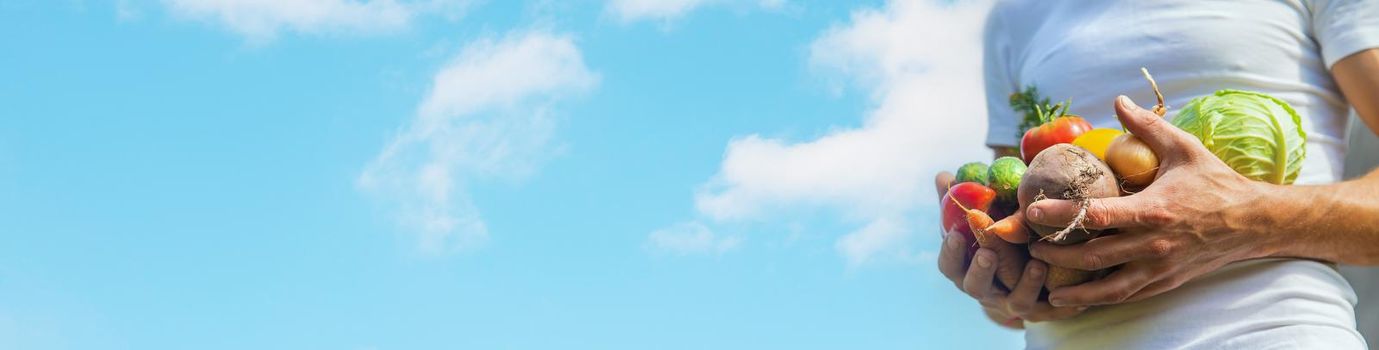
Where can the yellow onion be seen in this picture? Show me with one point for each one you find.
(1132, 160)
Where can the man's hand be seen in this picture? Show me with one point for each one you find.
(1007, 308)
(1192, 220)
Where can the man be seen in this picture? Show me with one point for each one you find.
(1205, 258)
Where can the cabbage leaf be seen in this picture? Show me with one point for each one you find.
(1258, 135)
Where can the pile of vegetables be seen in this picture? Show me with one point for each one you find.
(1258, 135)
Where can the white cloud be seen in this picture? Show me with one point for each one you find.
(665, 10)
(126, 11)
(878, 237)
(263, 20)
(920, 61)
(490, 114)
(688, 238)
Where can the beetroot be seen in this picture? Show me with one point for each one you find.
(1064, 171)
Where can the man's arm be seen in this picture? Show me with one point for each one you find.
(1199, 215)
(1358, 77)
(1338, 222)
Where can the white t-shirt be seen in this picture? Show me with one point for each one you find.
(1091, 51)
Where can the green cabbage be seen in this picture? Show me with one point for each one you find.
(1258, 135)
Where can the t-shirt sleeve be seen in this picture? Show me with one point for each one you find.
(1344, 27)
(1003, 123)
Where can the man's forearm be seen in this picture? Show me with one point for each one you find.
(1335, 222)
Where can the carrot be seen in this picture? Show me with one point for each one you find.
(978, 221)
(1010, 230)
(1010, 259)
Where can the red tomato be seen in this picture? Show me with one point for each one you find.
(1063, 129)
(973, 196)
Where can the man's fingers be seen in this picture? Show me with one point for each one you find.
(1046, 312)
(1025, 294)
(942, 181)
(1166, 140)
(1102, 213)
(1156, 288)
(1002, 318)
(980, 275)
(1024, 302)
(1102, 252)
(1116, 288)
(952, 258)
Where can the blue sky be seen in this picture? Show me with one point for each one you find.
(603, 175)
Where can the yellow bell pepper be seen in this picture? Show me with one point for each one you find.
(1096, 141)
